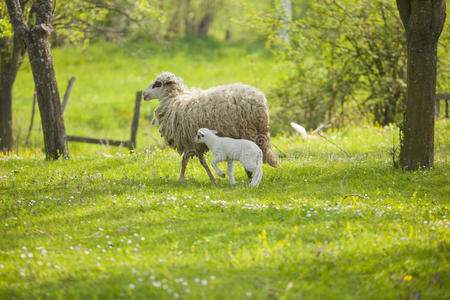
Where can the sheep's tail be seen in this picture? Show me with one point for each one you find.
(269, 157)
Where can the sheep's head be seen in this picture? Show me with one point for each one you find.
(202, 133)
(165, 84)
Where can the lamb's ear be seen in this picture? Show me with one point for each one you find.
(214, 131)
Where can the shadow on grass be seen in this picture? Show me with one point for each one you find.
(187, 222)
(369, 274)
(86, 182)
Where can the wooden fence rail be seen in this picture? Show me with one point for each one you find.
(130, 144)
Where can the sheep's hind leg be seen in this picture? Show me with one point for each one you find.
(184, 162)
(205, 166)
(230, 172)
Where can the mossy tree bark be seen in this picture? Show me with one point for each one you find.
(12, 51)
(423, 22)
(36, 39)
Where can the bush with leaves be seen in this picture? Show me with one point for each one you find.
(347, 62)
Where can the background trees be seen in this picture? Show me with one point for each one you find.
(340, 62)
(36, 39)
(12, 50)
(347, 59)
(69, 22)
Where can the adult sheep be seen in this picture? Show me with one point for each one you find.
(235, 110)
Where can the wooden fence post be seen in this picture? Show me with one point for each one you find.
(438, 108)
(439, 97)
(67, 93)
(446, 108)
(135, 123)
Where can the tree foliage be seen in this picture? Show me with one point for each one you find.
(5, 25)
(347, 62)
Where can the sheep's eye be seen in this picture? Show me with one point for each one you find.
(156, 84)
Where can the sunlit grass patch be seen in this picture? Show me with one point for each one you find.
(323, 225)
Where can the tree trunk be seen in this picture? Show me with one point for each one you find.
(187, 18)
(6, 140)
(12, 52)
(47, 94)
(423, 22)
(174, 24)
(205, 23)
(37, 42)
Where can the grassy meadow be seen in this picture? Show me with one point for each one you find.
(110, 224)
(108, 75)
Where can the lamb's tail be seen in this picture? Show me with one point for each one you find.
(269, 157)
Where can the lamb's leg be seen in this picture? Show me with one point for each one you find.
(257, 177)
(230, 172)
(249, 175)
(256, 168)
(184, 163)
(206, 167)
(218, 171)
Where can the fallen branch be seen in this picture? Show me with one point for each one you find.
(355, 195)
(326, 139)
(282, 153)
(321, 126)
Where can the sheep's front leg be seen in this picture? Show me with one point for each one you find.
(230, 172)
(218, 171)
(206, 167)
(184, 162)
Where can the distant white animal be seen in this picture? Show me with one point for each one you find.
(300, 129)
(228, 149)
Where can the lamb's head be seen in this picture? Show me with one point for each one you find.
(203, 133)
(165, 84)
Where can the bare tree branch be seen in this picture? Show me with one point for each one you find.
(16, 17)
(44, 12)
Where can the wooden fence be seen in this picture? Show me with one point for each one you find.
(130, 144)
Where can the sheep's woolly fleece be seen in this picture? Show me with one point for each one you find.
(236, 110)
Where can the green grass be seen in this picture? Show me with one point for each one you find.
(121, 226)
(108, 75)
(109, 224)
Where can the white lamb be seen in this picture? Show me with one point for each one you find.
(236, 110)
(228, 149)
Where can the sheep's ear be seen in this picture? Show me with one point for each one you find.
(201, 133)
(214, 131)
(170, 82)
